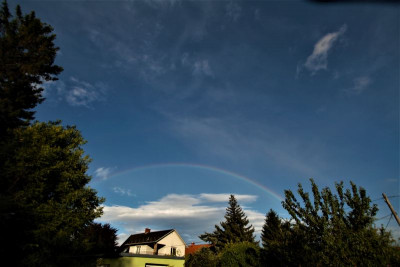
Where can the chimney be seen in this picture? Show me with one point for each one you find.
(192, 244)
(147, 230)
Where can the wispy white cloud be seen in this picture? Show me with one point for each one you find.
(233, 10)
(53, 87)
(237, 139)
(149, 57)
(162, 3)
(360, 84)
(201, 67)
(392, 180)
(121, 237)
(256, 218)
(191, 215)
(198, 66)
(74, 91)
(318, 60)
(132, 55)
(257, 14)
(83, 93)
(122, 191)
(103, 173)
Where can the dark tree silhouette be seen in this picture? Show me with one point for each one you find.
(27, 54)
(234, 229)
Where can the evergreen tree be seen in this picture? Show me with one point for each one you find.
(272, 239)
(234, 229)
(27, 54)
(271, 230)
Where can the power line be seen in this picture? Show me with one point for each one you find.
(391, 209)
(377, 199)
(383, 198)
(384, 217)
(391, 215)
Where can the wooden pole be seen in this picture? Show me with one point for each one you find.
(391, 208)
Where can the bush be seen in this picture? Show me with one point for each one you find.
(202, 258)
(239, 254)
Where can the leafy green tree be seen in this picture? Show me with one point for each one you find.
(45, 201)
(234, 229)
(205, 257)
(27, 54)
(239, 255)
(46, 207)
(100, 239)
(335, 229)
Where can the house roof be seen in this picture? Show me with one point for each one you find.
(192, 248)
(145, 238)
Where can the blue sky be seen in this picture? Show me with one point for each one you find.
(186, 102)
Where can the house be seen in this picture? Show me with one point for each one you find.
(193, 248)
(148, 249)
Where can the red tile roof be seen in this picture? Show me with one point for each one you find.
(192, 248)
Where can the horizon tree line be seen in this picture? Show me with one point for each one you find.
(334, 228)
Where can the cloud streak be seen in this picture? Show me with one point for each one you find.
(360, 84)
(103, 173)
(75, 92)
(122, 191)
(201, 67)
(233, 10)
(318, 60)
(83, 93)
(241, 140)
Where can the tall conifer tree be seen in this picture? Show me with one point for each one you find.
(27, 54)
(271, 229)
(274, 236)
(234, 229)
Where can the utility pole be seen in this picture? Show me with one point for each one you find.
(391, 208)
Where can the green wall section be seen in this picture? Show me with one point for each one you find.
(140, 262)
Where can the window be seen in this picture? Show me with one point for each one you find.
(173, 251)
(138, 250)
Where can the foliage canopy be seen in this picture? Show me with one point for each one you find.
(239, 254)
(44, 193)
(205, 257)
(327, 229)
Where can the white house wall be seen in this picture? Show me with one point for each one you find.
(144, 249)
(172, 240)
